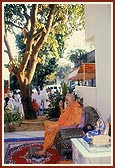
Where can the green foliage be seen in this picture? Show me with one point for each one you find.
(20, 44)
(11, 117)
(61, 44)
(43, 70)
(65, 89)
(5, 83)
(54, 110)
(13, 82)
(67, 17)
(76, 55)
(62, 71)
(13, 14)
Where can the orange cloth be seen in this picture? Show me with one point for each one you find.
(66, 162)
(72, 116)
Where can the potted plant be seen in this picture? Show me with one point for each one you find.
(12, 119)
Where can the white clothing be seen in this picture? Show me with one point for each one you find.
(10, 105)
(39, 98)
(18, 105)
(46, 99)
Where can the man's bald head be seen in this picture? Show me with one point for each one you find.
(70, 98)
(70, 95)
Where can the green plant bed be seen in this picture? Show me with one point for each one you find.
(12, 120)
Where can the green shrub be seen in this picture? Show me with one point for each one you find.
(54, 110)
(11, 117)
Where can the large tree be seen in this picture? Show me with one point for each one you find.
(40, 24)
(44, 73)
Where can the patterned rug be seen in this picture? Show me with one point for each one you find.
(17, 153)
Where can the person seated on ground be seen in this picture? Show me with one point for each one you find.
(70, 116)
(88, 127)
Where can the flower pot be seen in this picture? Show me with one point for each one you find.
(11, 127)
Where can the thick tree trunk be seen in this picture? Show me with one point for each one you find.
(27, 103)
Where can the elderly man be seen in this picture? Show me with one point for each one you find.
(70, 116)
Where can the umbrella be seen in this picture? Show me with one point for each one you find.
(83, 72)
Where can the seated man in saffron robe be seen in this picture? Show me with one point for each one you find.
(70, 116)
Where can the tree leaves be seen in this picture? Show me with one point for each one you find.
(76, 55)
(67, 17)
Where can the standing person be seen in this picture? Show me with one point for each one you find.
(46, 98)
(40, 102)
(50, 97)
(70, 116)
(35, 106)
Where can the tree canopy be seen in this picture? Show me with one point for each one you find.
(67, 17)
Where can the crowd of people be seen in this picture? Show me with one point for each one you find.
(13, 101)
(40, 101)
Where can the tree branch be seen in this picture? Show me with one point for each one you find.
(46, 30)
(43, 38)
(30, 40)
(27, 17)
(12, 24)
(9, 51)
(33, 17)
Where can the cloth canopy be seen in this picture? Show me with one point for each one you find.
(83, 72)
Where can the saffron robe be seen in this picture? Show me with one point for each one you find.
(72, 115)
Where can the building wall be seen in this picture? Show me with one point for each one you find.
(99, 32)
(88, 94)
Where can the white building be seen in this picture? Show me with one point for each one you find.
(98, 20)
